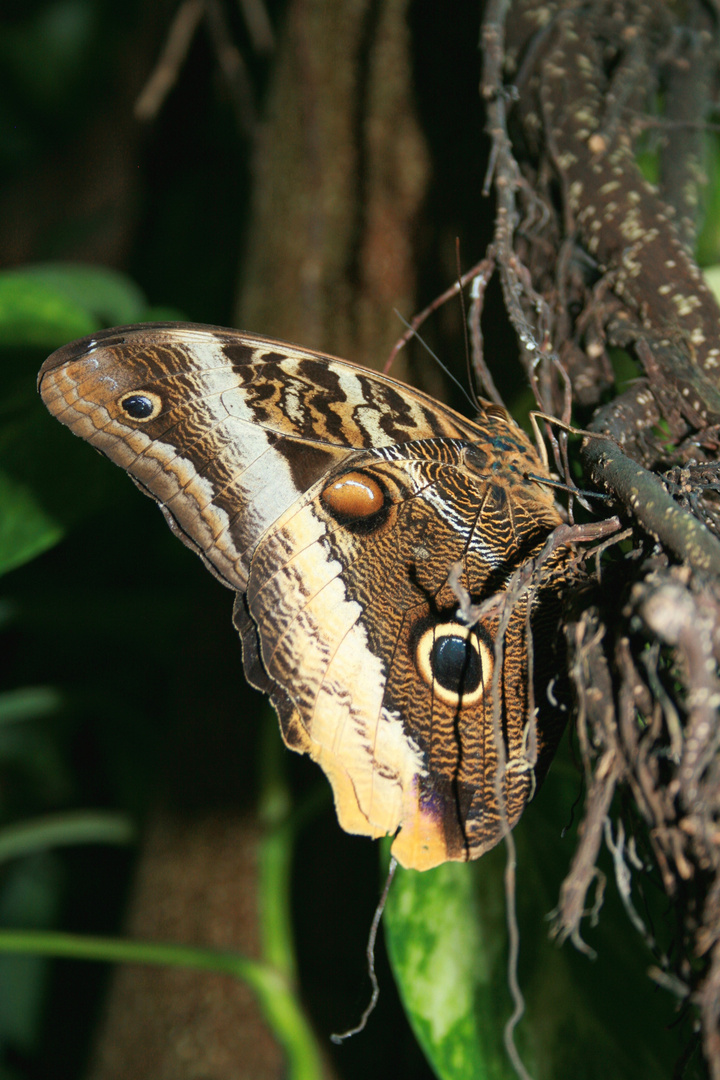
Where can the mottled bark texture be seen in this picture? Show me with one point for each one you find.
(194, 886)
(340, 171)
(340, 176)
(593, 258)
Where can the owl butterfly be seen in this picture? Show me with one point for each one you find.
(335, 502)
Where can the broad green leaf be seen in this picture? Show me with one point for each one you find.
(435, 938)
(47, 304)
(34, 313)
(585, 1019)
(26, 529)
(112, 297)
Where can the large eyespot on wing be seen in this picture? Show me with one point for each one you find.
(359, 502)
(463, 806)
(455, 662)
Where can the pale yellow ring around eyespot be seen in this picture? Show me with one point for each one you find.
(423, 654)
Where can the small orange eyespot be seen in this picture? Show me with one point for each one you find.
(354, 495)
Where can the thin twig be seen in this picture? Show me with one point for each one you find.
(370, 954)
(166, 71)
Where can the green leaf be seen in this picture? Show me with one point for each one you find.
(112, 297)
(34, 313)
(44, 492)
(30, 896)
(47, 304)
(708, 242)
(26, 529)
(586, 1019)
(28, 703)
(435, 938)
(63, 830)
(712, 280)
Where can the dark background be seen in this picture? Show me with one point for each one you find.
(123, 620)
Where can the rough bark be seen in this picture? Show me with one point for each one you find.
(194, 885)
(340, 175)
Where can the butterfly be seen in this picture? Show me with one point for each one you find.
(350, 514)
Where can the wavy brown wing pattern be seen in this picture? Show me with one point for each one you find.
(348, 512)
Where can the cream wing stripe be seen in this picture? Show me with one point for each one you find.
(340, 697)
(265, 491)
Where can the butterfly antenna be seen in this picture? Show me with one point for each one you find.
(461, 294)
(370, 953)
(577, 492)
(437, 360)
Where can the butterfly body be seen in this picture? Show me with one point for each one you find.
(335, 503)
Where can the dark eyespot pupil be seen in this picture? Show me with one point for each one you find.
(456, 664)
(138, 406)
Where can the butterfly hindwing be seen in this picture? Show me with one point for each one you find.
(407, 742)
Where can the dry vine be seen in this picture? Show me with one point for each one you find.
(591, 257)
